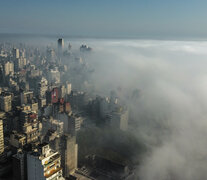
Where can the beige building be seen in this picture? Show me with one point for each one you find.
(8, 68)
(17, 140)
(42, 87)
(5, 102)
(15, 53)
(1, 137)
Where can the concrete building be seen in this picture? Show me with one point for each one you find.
(60, 44)
(68, 88)
(35, 72)
(19, 166)
(77, 99)
(4, 117)
(17, 140)
(84, 48)
(74, 124)
(64, 118)
(44, 164)
(19, 63)
(62, 91)
(69, 154)
(42, 102)
(119, 119)
(52, 124)
(5, 102)
(26, 97)
(104, 107)
(52, 95)
(15, 53)
(22, 53)
(42, 87)
(50, 54)
(53, 76)
(71, 122)
(34, 106)
(29, 125)
(68, 149)
(8, 68)
(1, 137)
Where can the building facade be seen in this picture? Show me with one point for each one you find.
(45, 164)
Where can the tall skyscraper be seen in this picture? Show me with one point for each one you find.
(69, 154)
(15, 53)
(60, 44)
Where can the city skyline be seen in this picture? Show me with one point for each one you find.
(103, 90)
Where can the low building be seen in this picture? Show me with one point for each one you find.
(17, 140)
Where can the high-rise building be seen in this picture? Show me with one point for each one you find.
(119, 119)
(53, 76)
(50, 54)
(15, 53)
(62, 91)
(5, 102)
(8, 68)
(22, 53)
(26, 97)
(68, 88)
(69, 154)
(19, 166)
(75, 123)
(42, 87)
(69, 46)
(1, 137)
(29, 125)
(66, 145)
(44, 164)
(60, 44)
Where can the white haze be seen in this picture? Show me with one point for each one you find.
(171, 112)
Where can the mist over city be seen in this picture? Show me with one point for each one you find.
(103, 90)
(168, 114)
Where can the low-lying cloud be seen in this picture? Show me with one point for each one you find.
(170, 114)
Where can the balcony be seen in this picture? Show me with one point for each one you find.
(52, 172)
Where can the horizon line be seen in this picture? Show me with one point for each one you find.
(140, 37)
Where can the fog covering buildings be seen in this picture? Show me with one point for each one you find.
(42, 114)
(166, 81)
(151, 93)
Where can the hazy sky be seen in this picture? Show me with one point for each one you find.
(106, 18)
